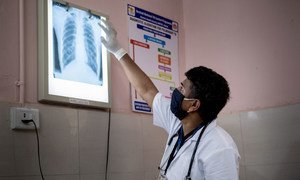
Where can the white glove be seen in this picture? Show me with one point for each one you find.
(111, 42)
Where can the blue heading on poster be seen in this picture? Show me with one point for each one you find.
(152, 18)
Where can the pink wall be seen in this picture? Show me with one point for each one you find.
(116, 9)
(255, 44)
(9, 49)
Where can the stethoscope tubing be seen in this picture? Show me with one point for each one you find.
(194, 151)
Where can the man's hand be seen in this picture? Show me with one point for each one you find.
(110, 42)
(140, 81)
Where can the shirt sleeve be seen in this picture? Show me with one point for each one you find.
(222, 165)
(162, 114)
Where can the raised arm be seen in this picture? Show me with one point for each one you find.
(140, 81)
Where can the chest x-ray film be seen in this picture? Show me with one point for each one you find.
(76, 65)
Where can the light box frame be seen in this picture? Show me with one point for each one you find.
(45, 29)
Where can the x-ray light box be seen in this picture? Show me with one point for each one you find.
(74, 66)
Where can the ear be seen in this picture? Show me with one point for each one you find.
(194, 106)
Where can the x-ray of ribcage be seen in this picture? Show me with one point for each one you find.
(77, 49)
(89, 42)
(69, 40)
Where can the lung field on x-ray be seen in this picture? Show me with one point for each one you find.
(69, 38)
(90, 46)
(77, 53)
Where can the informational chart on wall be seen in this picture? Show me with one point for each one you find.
(153, 45)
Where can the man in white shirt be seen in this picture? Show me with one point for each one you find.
(197, 148)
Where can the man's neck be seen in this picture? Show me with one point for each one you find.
(190, 123)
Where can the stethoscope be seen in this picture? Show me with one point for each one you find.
(188, 176)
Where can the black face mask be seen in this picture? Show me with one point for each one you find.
(176, 102)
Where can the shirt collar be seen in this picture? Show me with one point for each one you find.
(210, 126)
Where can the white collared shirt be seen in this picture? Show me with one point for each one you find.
(217, 157)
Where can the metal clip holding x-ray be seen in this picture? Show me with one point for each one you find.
(67, 6)
(90, 14)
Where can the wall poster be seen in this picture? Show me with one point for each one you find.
(153, 45)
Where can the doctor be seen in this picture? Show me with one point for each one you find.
(197, 147)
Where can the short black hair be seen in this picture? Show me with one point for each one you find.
(211, 89)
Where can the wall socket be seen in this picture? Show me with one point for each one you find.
(18, 114)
